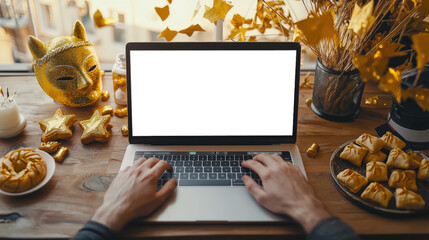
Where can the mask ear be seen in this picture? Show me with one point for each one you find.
(37, 47)
(79, 31)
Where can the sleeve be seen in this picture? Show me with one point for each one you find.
(332, 229)
(95, 231)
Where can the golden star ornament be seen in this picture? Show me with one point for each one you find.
(58, 126)
(96, 129)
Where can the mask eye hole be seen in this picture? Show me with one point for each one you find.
(92, 68)
(64, 78)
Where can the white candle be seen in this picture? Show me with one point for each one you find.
(9, 115)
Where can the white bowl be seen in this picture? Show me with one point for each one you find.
(50, 164)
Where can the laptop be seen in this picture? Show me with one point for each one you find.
(204, 107)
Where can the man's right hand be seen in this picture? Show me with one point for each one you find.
(285, 190)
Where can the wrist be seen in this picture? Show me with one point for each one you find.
(310, 214)
(113, 217)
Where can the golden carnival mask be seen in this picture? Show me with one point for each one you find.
(67, 68)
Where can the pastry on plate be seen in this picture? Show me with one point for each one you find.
(406, 199)
(377, 193)
(352, 180)
(414, 164)
(415, 156)
(398, 159)
(21, 170)
(403, 178)
(373, 144)
(376, 171)
(423, 173)
(376, 157)
(353, 153)
(392, 141)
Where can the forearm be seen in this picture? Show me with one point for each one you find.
(112, 216)
(309, 213)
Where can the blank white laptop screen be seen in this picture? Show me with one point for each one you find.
(212, 93)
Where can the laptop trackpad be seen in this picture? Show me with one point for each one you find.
(212, 204)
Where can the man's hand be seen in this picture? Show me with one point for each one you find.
(133, 193)
(285, 190)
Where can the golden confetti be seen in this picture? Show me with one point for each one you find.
(100, 21)
(61, 154)
(163, 12)
(191, 29)
(218, 11)
(105, 95)
(421, 45)
(317, 27)
(308, 101)
(362, 20)
(124, 130)
(170, 1)
(313, 150)
(106, 110)
(49, 147)
(121, 112)
(168, 34)
(374, 101)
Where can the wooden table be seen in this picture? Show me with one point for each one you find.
(60, 208)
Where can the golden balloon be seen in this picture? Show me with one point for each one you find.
(67, 68)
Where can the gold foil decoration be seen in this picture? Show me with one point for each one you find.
(313, 150)
(105, 95)
(58, 126)
(421, 46)
(96, 129)
(121, 112)
(168, 34)
(61, 154)
(391, 82)
(67, 68)
(308, 101)
(318, 27)
(362, 20)
(218, 11)
(191, 29)
(163, 12)
(124, 130)
(106, 110)
(374, 101)
(49, 147)
(100, 21)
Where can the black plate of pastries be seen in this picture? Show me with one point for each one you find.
(380, 175)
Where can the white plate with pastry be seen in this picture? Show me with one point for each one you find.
(381, 177)
(25, 171)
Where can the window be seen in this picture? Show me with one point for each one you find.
(137, 21)
(119, 30)
(48, 19)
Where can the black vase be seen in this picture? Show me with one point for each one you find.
(407, 118)
(336, 95)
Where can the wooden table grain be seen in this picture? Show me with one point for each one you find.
(62, 207)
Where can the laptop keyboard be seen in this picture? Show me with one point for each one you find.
(207, 168)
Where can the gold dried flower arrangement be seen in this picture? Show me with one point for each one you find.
(344, 35)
